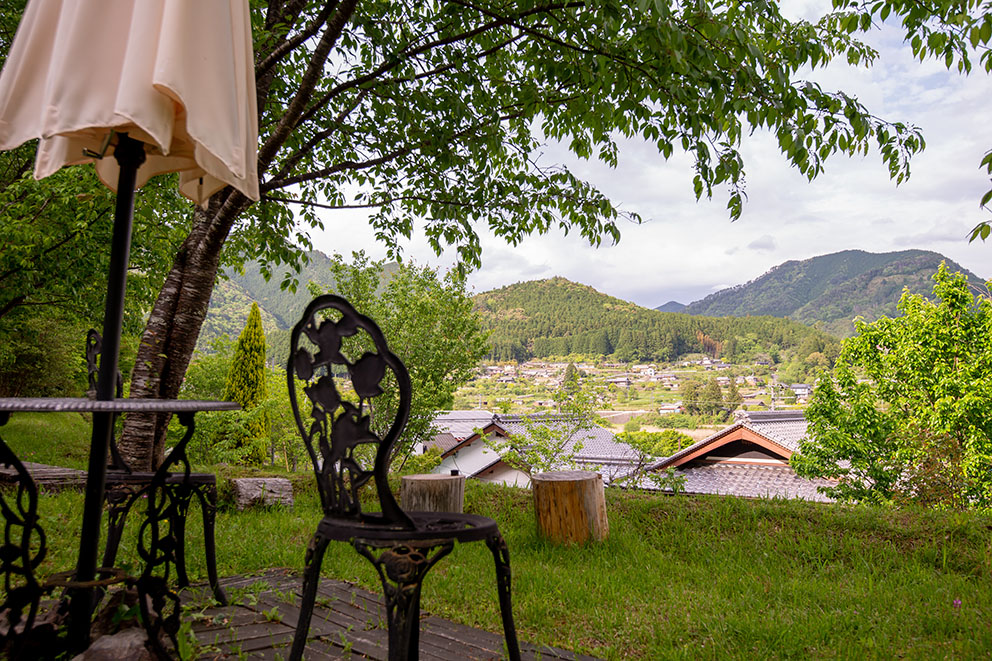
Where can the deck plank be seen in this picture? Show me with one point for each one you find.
(348, 623)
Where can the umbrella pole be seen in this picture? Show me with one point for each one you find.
(130, 154)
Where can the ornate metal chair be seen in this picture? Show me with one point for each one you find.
(343, 360)
(125, 487)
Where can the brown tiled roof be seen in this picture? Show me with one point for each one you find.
(443, 441)
(751, 481)
(784, 429)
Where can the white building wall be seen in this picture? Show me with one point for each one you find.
(469, 459)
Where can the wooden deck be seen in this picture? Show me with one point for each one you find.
(348, 623)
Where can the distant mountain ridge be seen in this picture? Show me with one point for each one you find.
(831, 290)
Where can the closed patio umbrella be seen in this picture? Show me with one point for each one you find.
(170, 86)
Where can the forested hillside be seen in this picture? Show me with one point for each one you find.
(832, 289)
(281, 308)
(559, 317)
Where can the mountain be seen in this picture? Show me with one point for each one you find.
(672, 306)
(557, 317)
(831, 290)
(281, 308)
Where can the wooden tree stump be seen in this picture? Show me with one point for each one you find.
(432, 492)
(570, 506)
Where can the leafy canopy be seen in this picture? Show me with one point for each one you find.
(907, 412)
(438, 113)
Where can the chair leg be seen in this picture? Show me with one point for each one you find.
(208, 507)
(402, 570)
(311, 580)
(501, 556)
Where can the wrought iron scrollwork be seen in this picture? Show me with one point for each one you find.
(341, 420)
(402, 569)
(23, 549)
(160, 543)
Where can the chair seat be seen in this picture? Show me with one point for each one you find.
(429, 527)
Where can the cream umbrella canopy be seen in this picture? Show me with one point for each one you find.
(177, 76)
(169, 84)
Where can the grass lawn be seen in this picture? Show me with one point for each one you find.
(679, 577)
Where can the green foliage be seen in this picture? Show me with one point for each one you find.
(656, 445)
(416, 464)
(550, 442)
(42, 355)
(733, 398)
(919, 425)
(557, 317)
(428, 322)
(949, 31)
(207, 373)
(437, 111)
(246, 385)
(711, 398)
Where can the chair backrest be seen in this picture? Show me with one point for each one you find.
(342, 359)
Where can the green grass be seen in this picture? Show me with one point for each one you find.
(58, 439)
(679, 577)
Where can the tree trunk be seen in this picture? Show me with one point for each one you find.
(173, 327)
(570, 506)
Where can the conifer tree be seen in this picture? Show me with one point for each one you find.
(246, 384)
(733, 398)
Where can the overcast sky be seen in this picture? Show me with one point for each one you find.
(685, 250)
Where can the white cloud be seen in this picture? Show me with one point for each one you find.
(765, 243)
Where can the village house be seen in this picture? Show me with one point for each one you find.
(750, 458)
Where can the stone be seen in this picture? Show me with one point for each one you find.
(265, 491)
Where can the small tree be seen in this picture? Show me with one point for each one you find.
(246, 386)
(550, 442)
(691, 397)
(711, 398)
(907, 411)
(430, 325)
(733, 398)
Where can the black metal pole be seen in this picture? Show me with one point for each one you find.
(130, 154)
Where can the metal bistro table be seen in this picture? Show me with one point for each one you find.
(23, 545)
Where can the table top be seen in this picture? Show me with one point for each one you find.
(82, 404)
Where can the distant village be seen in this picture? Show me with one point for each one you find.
(529, 384)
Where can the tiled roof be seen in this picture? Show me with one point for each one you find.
(443, 441)
(751, 481)
(784, 428)
(462, 424)
(598, 443)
